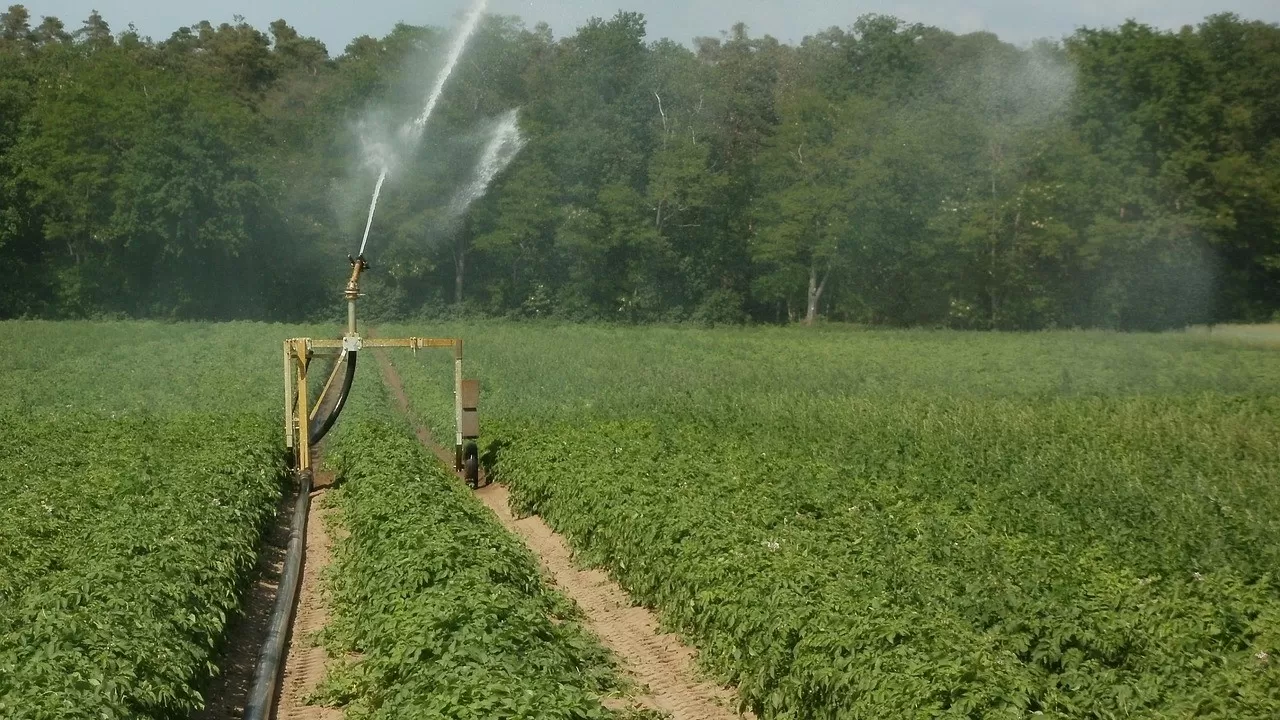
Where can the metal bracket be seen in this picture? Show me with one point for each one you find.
(352, 343)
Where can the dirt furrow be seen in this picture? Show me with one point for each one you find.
(660, 663)
(225, 697)
(304, 665)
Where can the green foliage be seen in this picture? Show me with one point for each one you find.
(126, 542)
(140, 463)
(446, 613)
(67, 368)
(912, 524)
(925, 571)
(848, 524)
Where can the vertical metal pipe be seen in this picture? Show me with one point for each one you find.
(352, 293)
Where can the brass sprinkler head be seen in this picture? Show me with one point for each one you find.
(358, 265)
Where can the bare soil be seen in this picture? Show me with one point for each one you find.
(660, 663)
(304, 665)
(391, 378)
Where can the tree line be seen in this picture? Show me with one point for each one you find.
(887, 173)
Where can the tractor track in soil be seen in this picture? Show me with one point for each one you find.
(305, 662)
(661, 664)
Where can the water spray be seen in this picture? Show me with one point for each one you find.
(377, 190)
(455, 52)
(503, 146)
(411, 133)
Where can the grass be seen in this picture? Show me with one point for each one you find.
(1265, 334)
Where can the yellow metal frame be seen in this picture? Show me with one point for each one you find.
(298, 353)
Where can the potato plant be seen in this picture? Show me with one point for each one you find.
(442, 612)
(139, 462)
(124, 543)
(887, 580)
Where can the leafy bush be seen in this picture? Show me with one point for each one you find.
(719, 307)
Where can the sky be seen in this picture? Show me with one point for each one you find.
(336, 23)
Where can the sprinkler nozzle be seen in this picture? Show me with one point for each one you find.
(358, 265)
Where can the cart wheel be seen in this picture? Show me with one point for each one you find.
(471, 465)
(471, 471)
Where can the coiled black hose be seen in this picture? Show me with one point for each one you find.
(319, 430)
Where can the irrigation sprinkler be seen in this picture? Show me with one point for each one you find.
(306, 422)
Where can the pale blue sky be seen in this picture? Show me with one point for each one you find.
(336, 23)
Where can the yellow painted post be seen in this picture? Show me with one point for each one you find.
(337, 368)
(288, 396)
(304, 421)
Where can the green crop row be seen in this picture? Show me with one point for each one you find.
(848, 524)
(943, 559)
(123, 544)
(535, 371)
(913, 524)
(130, 367)
(441, 612)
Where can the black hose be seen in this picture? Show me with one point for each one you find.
(266, 676)
(319, 430)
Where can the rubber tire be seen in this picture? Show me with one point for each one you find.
(471, 471)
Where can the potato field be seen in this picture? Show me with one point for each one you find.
(915, 524)
(844, 523)
(138, 465)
